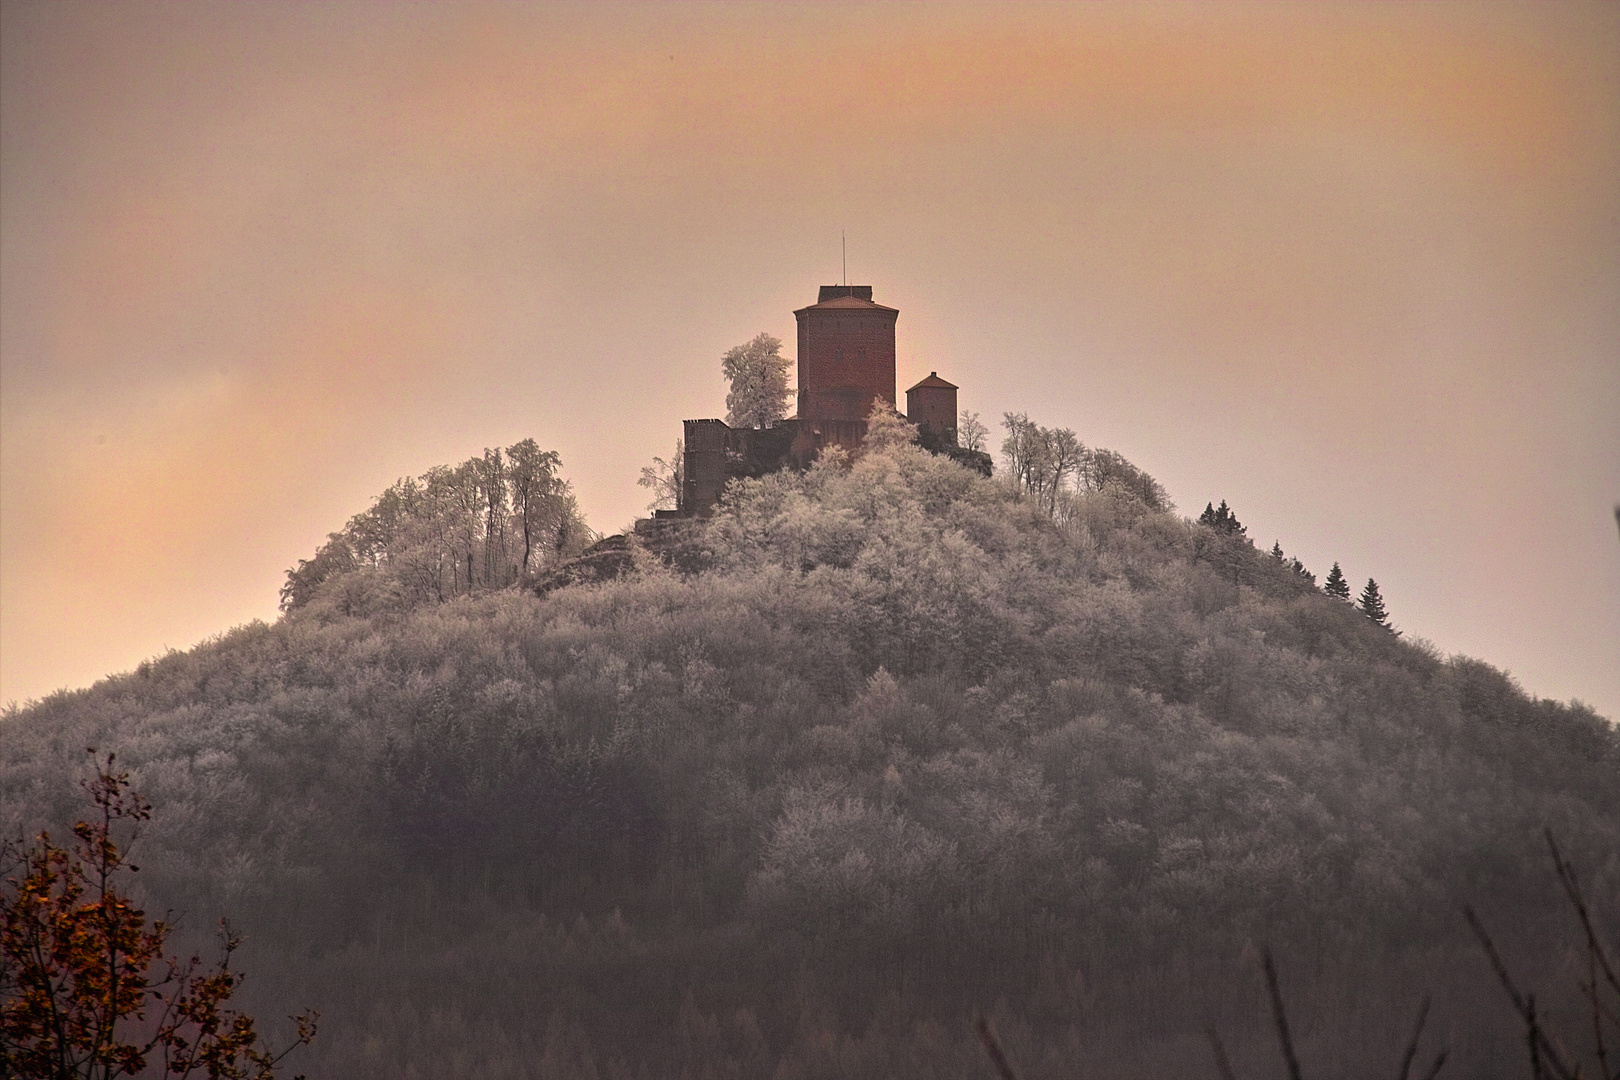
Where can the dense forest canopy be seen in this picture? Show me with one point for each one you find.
(911, 743)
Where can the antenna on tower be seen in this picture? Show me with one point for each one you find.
(844, 240)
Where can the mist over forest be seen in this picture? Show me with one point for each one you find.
(882, 745)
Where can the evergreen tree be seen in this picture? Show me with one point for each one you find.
(1302, 573)
(1277, 551)
(1222, 520)
(1336, 585)
(1372, 605)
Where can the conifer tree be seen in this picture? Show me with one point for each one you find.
(1372, 605)
(1222, 520)
(1277, 551)
(1335, 585)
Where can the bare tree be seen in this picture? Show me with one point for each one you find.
(1022, 449)
(971, 432)
(492, 481)
(663, 478)
(1041, 459)
(1064, 455)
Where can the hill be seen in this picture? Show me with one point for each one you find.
(908, 745)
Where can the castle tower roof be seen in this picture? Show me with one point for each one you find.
(934, 382)
(846, 303)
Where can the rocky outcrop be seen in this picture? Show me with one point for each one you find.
(676, 543)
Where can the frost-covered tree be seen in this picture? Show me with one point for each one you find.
(1051, 465)
(1107, 471)
(483, 524)
(894, 724)
(1041, 460)
(759, 383)
(538, 494)
(886, 429)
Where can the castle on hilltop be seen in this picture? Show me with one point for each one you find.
(846, 366)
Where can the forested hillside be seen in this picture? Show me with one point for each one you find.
(912, 744)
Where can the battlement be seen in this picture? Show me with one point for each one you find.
(833, 292)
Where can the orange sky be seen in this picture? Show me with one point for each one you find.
(1355, 269)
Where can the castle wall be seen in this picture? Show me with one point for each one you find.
(704, 465)
(716, 453)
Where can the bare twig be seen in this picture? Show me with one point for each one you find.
(1434, 1070)
(1590, 990)
(1566, 878)
(992, 1046)
(1525, 1009)
(1412, 1044)
(1496, 960)
(1223, 1065)
(1281, 1017)
(1533, 1037)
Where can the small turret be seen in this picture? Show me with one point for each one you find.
(931, 405)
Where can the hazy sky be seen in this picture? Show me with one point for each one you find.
(1355, 269)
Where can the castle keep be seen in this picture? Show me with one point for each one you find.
(846, 365)
(846, 355)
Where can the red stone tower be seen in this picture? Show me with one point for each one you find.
(931, 405)
(846, 364)
(846, 354)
